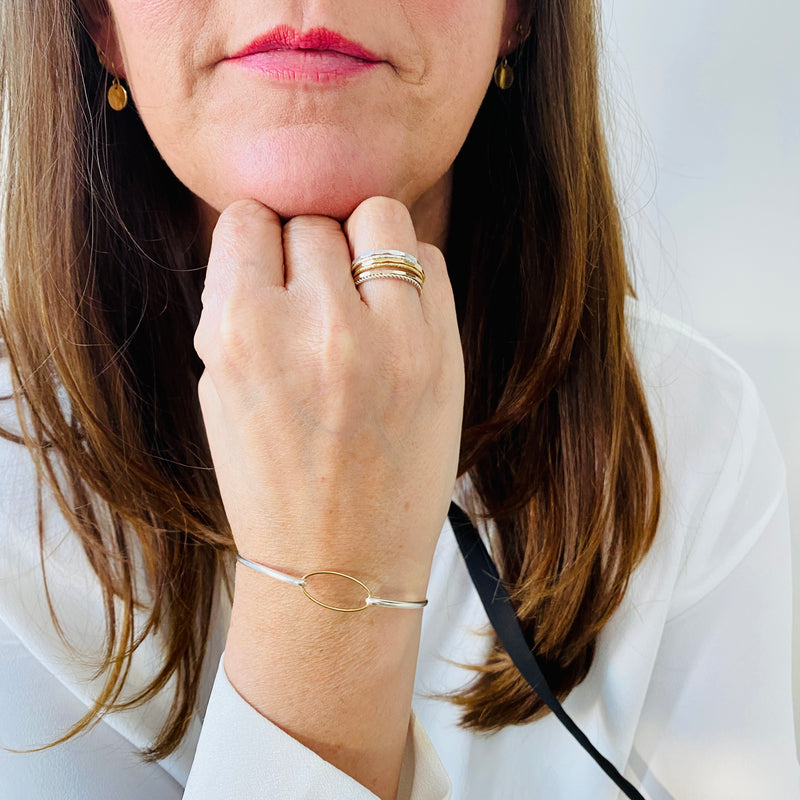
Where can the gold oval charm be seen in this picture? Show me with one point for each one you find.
(117, 95)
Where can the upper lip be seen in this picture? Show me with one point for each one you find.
(284, 37)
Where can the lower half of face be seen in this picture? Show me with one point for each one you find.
(308, 112)
(301, 149)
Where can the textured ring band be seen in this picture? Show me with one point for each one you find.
(369, 275)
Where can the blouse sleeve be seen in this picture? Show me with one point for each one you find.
(35, 709)
(241, 754)
(717, 720)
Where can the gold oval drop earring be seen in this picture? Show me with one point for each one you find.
(117, 94)
(504, 72)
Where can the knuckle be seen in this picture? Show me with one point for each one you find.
(334, 349)
(234, 343)
(242, 216)
(431, 256)
(224, 344)
(312, 222)
(305, 230)
(433, 262)
(382, 211)
(200, 340)
(244, 211)
(437, 281)
(339, 346)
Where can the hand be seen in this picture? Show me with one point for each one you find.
(333, 413)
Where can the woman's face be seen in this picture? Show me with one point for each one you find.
(308, 106)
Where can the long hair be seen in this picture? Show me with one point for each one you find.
(102, 295)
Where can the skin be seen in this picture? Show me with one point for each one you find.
(333, 413)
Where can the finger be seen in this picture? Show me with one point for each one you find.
(381, 223)
(246, 252)
(316, 255)
(436, 299)
(246, 259)
(439, 311)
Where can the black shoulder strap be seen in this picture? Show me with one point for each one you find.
(501, 614)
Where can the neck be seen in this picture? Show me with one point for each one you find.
(431, 212)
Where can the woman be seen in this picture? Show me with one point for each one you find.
(173, 415)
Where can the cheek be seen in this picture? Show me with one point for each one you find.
(462, 39)
(161, 46)
(155, 42)
(471, 25)
(156, 18)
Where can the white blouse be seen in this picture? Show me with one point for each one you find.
(689, 691)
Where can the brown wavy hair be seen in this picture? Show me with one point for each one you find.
(102, 296)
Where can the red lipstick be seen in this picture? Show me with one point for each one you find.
(316, 55)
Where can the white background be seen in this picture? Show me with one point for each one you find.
(705, 116)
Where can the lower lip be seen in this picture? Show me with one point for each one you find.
(305, 65)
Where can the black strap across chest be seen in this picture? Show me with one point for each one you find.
(501, 614)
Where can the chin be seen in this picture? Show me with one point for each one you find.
(323, 175)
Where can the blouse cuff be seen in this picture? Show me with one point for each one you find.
(241, 754)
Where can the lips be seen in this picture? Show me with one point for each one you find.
(317, 39)
(317, 54)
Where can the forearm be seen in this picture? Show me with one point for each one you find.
(339, 683)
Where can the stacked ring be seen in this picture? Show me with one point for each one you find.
(388, 264)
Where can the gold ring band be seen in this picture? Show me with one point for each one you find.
(387, 261)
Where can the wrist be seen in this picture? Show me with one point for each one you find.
(339, 683)
(270, 612)
(389, 570)
(280, 643)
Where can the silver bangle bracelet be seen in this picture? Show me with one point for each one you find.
(369, 600)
